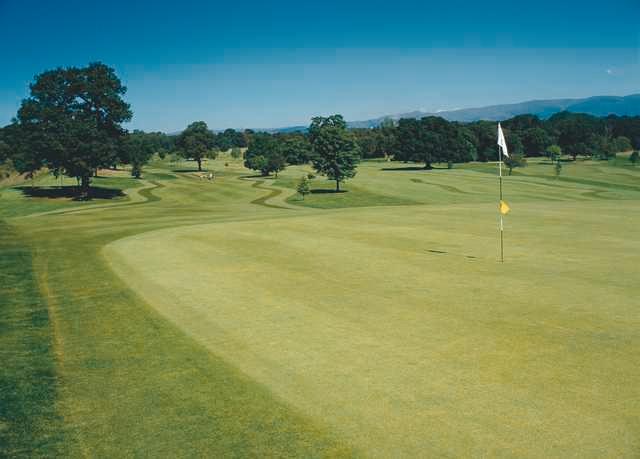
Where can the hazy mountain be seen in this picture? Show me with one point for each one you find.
(597, 106)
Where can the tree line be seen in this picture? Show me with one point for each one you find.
(72, 124)
(435, 140)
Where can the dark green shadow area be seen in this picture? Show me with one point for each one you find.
(29, 423)
(54, 192)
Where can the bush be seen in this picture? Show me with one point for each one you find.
(558, 168)
(136, 170)
(303, 187)
(553, 152)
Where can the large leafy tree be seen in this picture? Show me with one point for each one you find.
(367, 142)
(627, 126)
(295, 147)
(137, 149)
(577, 133)
(434, 139)
(197, 142)
(265, 155)
(621, 144)
(523, 122)
(386, 136)
(444, 142)
(535, 140)
(9, 136)
(4, 146)
(229, 139)
(335, 150)
(463, 146)
(71, 122)
(409, 141)
(159, 141)
(485, 134)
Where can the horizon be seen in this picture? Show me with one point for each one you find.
(437, 112)
(273, 66)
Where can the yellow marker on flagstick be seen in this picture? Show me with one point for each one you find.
(504, 208)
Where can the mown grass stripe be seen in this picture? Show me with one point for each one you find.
(29, 422)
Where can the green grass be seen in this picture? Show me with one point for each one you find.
(29, 422)
(230, 318)
(323, 195)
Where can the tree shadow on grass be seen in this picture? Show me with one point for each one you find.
(69, 192)
(260, 176)
(404, 168)
(189, 170)
(411, 168)
(325, 191)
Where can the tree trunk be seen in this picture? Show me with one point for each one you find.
(85, 180)
(199, 165)
(427, 166)
(337, 186)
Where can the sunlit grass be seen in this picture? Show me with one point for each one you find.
(373, 321)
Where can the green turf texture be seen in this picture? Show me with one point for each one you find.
(231, 318)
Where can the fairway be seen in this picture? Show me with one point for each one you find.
(231, 318)
(398, 329)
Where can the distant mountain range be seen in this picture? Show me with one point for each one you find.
(597, 106)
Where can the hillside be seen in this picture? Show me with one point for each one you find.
(597, 106)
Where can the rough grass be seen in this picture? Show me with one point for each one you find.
(29, 422)
(224, 319)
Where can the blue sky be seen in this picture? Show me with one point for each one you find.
(269, 64)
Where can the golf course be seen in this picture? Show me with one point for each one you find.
(175, 316)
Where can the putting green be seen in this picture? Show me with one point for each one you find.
(397, 328)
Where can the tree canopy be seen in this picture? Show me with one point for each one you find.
(265, 155)
(433, 139)
(71, 123)
(229, 139)
(335, 151)
(295, 147)
(137, 149)
(196, 142)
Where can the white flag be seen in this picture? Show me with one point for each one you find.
(501, 142)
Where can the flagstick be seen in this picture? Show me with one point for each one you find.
(499, 205)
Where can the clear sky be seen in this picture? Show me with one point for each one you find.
(278, 63)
